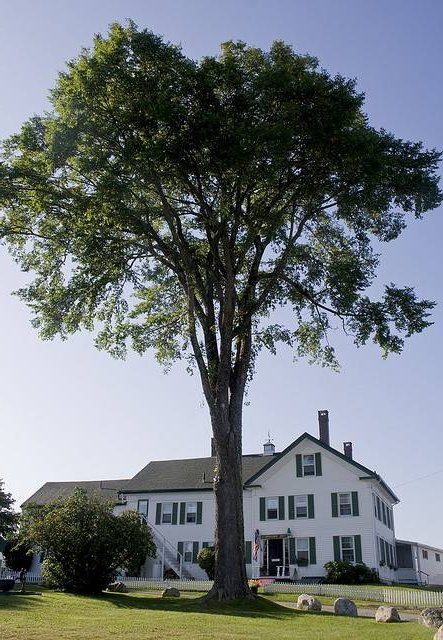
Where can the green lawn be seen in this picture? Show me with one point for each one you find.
(46, 615)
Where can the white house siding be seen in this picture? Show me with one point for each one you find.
(338, 476)
(175, 533)
(424, 569)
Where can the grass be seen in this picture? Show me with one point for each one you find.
(47, 615)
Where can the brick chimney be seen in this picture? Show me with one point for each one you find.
(323, 426)
(213, 452)
(347, 449)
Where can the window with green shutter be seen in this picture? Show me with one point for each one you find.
(248, 551)
(281, 507)
(182, 512)
(158, 513)
(195, 548)
(174, 512)
(292, 556)
(357, 547)
(312, 551)
(291, 508)
(199, 512)
(355, 509)
(311, 513)
(337, 554)
(334, 505)
(262, 509)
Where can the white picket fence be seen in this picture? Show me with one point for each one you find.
(407, 597)
(159, 585)
(415, 598)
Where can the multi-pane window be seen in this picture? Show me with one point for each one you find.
(347, 548)
(302, 550)
(301, 506)
(142, 507)
(191, 512)
(345, 504)
(187, 551)
(271, 508)
(166, 513)
(437, 557)
(424, 554)
(308, 462)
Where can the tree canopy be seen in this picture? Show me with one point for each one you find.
(84, 543)
(175, 205)
(8, 517)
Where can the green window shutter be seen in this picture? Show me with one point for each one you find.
(262, 509)
(310, 505)
(182, 512)
(158, 513)
(318, 464)
(291, 550)
(337, 554)
(281, 507)
(205, 545)
(248, 551)
(354, 497)
(174, 512)
(312, 551)
(334, 505)
(298, 465)
(291, 508)
(199, 512)
(194, 552)
(357, 545)
(179, 550)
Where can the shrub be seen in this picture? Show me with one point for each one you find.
(206, 561)
(18, 554)
(339, 572)
(86, 544)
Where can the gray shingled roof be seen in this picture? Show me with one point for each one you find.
(189, 474)
(50, 491)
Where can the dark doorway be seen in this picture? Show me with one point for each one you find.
(275, 555)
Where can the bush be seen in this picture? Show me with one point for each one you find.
(86, 544)
(206, 561)
(18, 554)
(339, 572)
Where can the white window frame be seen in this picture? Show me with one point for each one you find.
(268, 508)
(167, 513)
(344, 550)
(307, 465)
(188, 552)
(343, 510)
(191, 513)
(303, 506)
(302, 553)
(143, 512)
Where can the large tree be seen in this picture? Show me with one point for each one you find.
(175, 204)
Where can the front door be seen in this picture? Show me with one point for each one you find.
(275, 555)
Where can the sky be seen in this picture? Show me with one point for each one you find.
(70, 412)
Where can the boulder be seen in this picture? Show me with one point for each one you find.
(308, 602)
(439, 634)
(387, 614)
(432, 617)
(118, 587)
(345, 607)
(171, 592)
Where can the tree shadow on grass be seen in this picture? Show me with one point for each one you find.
(258, 607)
(19, 601)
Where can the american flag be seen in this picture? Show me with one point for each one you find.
(256, 544)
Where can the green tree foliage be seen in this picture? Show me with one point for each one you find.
(8, 517)
(18, 553)
(171, 204)
(339, 572)
(206, 561)
(85, 543)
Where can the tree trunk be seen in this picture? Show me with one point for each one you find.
(230, 572)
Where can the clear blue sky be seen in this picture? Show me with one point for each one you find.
(69, 412)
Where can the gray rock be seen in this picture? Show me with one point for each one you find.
(118, 587)
(439, 634)
(171, 592)
(387, 614)
(308, 602)
(432, 617)
(345, 607)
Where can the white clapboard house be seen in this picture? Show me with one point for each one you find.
(302, 507)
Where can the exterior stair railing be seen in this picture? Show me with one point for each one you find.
(170, 557)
